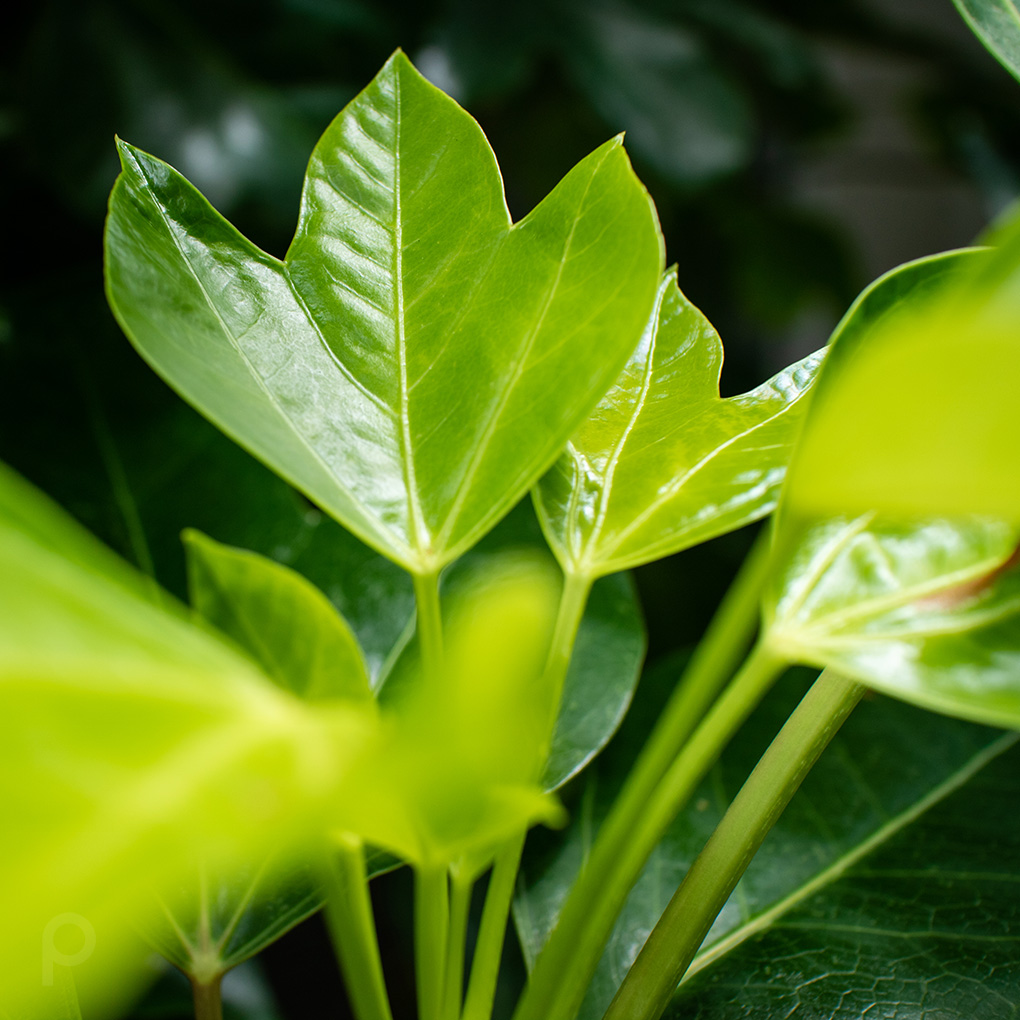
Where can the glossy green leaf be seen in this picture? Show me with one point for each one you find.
(915, 413)
(900, 903)
(664, 463)
(929, 612)
(282, 620)
(133, 744)
(997, 24)
(372, 368)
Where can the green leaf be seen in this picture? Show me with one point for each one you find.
(607, 657)
(928, 612)
(930, 351)
(218, 921)
(891, 868)
(664, 463)
(460, 755)
(416, 362)
(997, 24)
(140, 745)
(282, 620)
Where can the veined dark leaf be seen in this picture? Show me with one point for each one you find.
(929, 612)
(901, 903)
(134, 744)
(417, 361)
(997, 24)
(664, 463)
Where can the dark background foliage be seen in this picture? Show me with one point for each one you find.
(795, 150)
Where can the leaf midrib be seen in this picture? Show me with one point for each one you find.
(387, 537)
(839, 867)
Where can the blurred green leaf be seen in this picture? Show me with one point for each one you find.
(607, 657)
(461, 752)
(915, 412)
(914, 858)
(398, 401)
(927, 612)
(135, 745)
(997, 24)
(664, 463)
(282, 620)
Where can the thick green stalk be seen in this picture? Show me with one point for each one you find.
(208, 1002)
(461, 888)
(429, 621)
(481, 991)
(499, 895)
(633, 829)
(573, 599)
(671, 947)
(352, 927)
(431, 934)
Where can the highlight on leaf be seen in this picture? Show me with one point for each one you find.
(417, 361)
(663, 462)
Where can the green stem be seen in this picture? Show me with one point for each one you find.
(461, 888)
(481, 991)
(671, 947)
(499, 895)
(573, 599)
(208, 1002)
(352, 927)
(431, 932)
(634, 827)
(429, 621)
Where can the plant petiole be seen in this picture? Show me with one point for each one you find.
(675, 940)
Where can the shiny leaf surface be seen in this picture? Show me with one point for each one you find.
(134, 744)
(935, 370)
(929, 612)
(878, 903)
(417, 361)
(997, 24)
(282, 620)
(664, 463)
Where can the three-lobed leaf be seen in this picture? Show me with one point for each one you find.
(664, 462)
(417, 360)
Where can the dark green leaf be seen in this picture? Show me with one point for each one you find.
(664, 463)
(279, 618)
(929, 612)
(997, 24)
(370, 368)
(914, 868)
